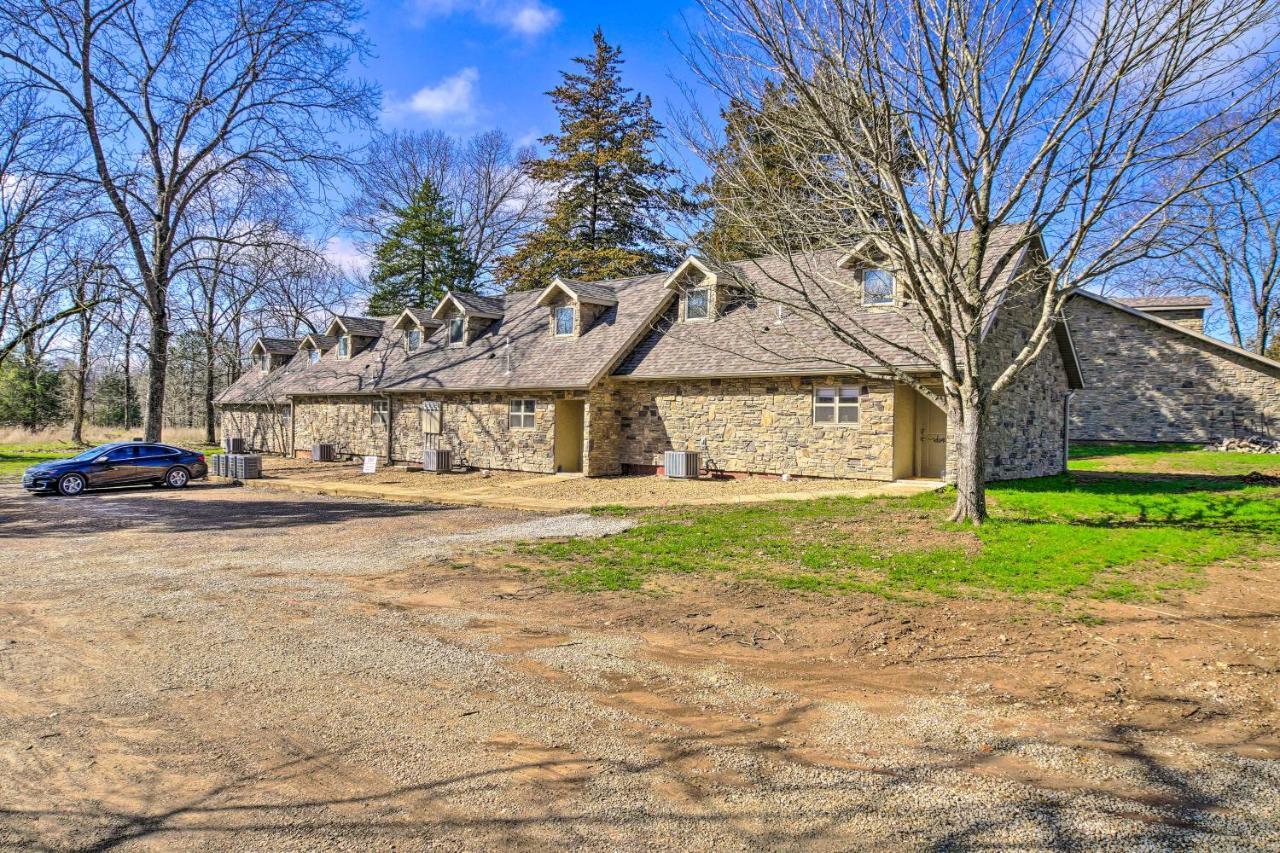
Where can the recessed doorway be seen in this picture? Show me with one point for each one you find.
(568, 444)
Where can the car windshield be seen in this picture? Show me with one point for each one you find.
(92, 453)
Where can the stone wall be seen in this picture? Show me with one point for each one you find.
(264, 428)
(762, 426)
(1026, 428)
(1146, 382)
(345, 422)
(476, 427)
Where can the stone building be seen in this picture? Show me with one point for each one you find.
(605, 377)
(1151, 374)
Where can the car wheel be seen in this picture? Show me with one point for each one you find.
(176, 478)
(70, 485)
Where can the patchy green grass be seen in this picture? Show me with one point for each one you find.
(1097, 535)
(16, 457)
(1169, 459)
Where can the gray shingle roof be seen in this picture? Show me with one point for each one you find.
(1168, 302)
(366, 327)
(278, 346)
(757, 337)
(480, 304)
(597, 293)
(324, 342)
(423, 317)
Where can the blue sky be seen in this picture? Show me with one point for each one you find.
(468, 65)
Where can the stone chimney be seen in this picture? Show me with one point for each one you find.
(1184, 311)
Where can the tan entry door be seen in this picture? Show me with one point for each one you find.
(931, 432)
(569, 436)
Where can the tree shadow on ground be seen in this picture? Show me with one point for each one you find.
(1173, 808)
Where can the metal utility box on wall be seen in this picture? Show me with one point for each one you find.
(682, 464)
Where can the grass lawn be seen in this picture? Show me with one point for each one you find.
(1087, 533)
(16, 457)
(1169, 459)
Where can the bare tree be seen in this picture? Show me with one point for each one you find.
(92, 285)
(1226, 243)
(37, 210)
(1077, 124)
(172, 97)
(482, 179)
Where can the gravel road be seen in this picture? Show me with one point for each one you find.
(225, 669)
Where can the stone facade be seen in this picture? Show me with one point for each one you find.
(345, 422)
(1026, 425)
(1146, 382)
(264, 428)
(762, 426)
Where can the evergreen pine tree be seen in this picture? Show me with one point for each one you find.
(421, 257)
(614, 198)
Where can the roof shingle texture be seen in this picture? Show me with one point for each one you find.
(1143, 302)
(279, 346)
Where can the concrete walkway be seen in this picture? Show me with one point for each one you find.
(509, 495)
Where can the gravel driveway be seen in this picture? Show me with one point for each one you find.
(226, 669)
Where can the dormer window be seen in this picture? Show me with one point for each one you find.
(264, 363)
(313, 356)
(344, 346)
(697, 303)
(413, 340)
(457, 330)
(877, 287)
(563, 317)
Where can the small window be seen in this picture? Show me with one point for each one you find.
(877, 287)
(344, 347)
(520, 415)
(264, 362)
(564, 319)
(836, 405)
(413, 340)
(457, 330)
(286, 411)
(313, 355)
(381, 413)
(696, 302)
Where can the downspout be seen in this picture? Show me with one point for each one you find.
(1066, 428)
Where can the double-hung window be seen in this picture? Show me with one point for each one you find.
(520, 414)
(457, 330)
(836, 404)
(563, 315)
(381, 415)
(265, 363)
(697, 303)
(344, 347)
(413, 340)
(877, 287)
(313, 356)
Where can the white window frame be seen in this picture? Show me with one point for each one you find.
(522, 414)
(264, 362)
(313, 355)
(881, 300)
(410, 344)
(843, 400)
(555, 320)
(344, 346)
(706, 304)
(380, 413)
(459, 323)
(286, 411)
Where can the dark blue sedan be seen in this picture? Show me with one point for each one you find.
(121, 463)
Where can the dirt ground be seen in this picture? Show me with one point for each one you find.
(231, 669)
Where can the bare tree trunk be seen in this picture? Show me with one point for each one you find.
(82, 375)
(157, 369)
(966, 415)
(128, 377)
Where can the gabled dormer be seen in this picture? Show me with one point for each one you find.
(417, 325)
(705, 289)
(878, 282)
(465, 316)
(354, 335)
(271, 353)
(314, 346)
(573, 306)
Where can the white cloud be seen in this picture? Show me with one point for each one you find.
(452, 99)
(526, 18)
(345, 255)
